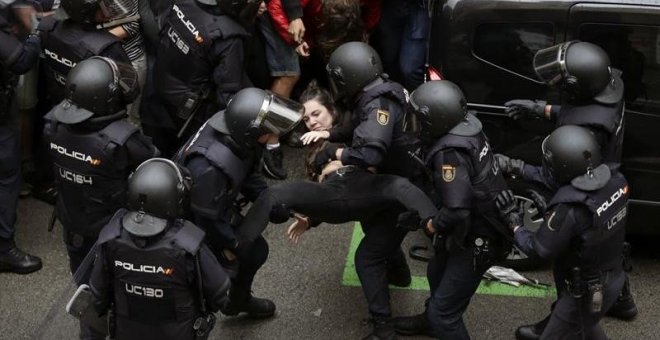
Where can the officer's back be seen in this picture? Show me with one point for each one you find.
(153, 268)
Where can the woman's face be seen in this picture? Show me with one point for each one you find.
(317, 117)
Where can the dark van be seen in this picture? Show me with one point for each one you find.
(487, 47)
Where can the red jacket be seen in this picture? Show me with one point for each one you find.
(311, 12)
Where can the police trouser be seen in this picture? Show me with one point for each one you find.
(380, 247)
(572, 319)
(453, 279)
(10, 174)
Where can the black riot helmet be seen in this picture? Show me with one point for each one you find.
(157, 192)
(351, 67)
(93, 11)
(97, 87)
(581, 69)
(440, 106)
(571, 152)
(254, 112)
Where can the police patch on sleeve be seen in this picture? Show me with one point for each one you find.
(383, 117)
(448, 173)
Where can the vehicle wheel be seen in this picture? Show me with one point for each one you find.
(532, 219)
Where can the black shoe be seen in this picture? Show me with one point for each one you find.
(383, 330)
(240, 302)
(17, 261)
(624, 308)
(398, 274)
(273, 163)
(528, 332)
(412, 325)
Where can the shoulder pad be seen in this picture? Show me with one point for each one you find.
(47, 24)
(119, 131)
(470, 126)
(112, 230)
(189, 237)
(98, 41)
(226, 27)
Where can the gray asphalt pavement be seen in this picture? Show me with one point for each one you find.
(306, 281)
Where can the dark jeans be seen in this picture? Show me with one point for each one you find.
(401, 40)
(453, 280)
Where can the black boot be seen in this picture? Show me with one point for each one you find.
(383, 330)
(242, 301)
(273, 163)
(15, 260)
(412, 325)
(624, 308)
(532, 332)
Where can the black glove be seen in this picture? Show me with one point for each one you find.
(518, 108)
(509, 166)
(324, 156)
(510, 212)
(409, 220)
(538, 199)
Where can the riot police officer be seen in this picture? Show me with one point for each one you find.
(71, 36)
(468, 237)
(592, 93)
(15, 58)
(221, 160)
(152, 267)
(356, 77)
(93, 149)
(593, 99)
(583, 231)
(200, 65)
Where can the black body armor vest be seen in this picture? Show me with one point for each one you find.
(91, 170)
(185, 65)
(600, 246)
(155, 295)
(65, 43)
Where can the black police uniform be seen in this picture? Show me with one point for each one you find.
(468, 239)
(379, 141)
(65, 43)
(585, 230)
(221, 170)
(91, 165)
(151, 283)
(199, 67)
(15, 58)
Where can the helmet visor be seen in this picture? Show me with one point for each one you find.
(547, 160)
(279, 115)
(550, 63)
(125, 78)
(116, 9)
(336, 80)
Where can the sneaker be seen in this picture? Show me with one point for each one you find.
(46, 193)
(272, 161)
